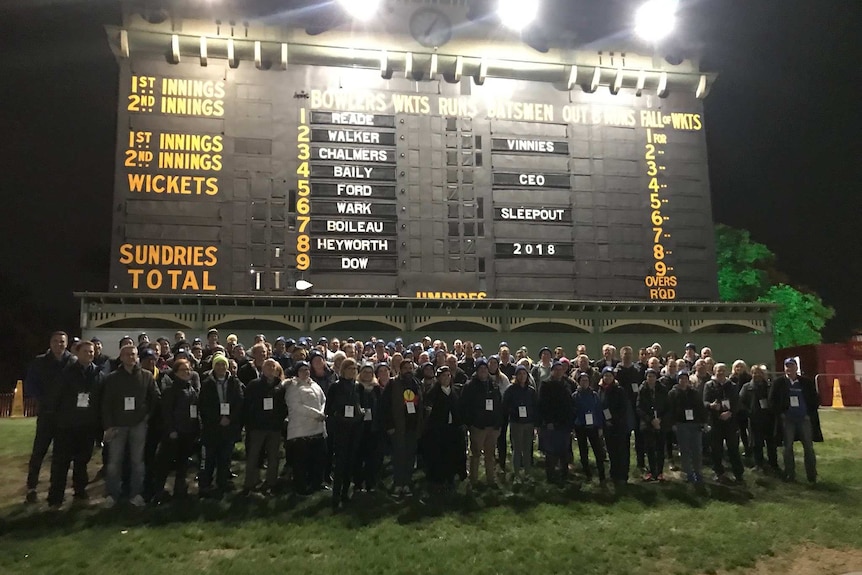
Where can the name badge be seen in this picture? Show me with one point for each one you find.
(129, 404)
(725, 403)
(348, 411)
(411, 408)
(794, 401)
(224, 409)
(689, 415)
(83, 400)
(607, 413)
(489, 405)
(193, 411)
(368, 415)
(635, 387)
(522, 411)
(267, 404)
(764, 404)
(589, 418)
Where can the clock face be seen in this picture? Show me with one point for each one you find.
(430, 27)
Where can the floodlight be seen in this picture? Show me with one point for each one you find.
(517, 14)
(362, 10)
(655, 19)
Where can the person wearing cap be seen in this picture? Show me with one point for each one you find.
(180, 431)
(794, 400)
(344, 416)
(220, 405)
(306, 430)
(542, 370)
(402, 417)
(690, 356)
(369, 458)
(688, 415)
(383, 374)
(75, 406)
(129, 399)
(503, 382)
(589, 421)
(482, 405)
(754, 399)
(555, 424)
(618, 418)
(652, 411)
(444, 447)
(426, 376)
(264, 412)
(212, 342)
(521, 406)
(722, 400)
(380, 354)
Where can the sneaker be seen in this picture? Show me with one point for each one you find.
(109, 502)
(32, 497)
(661, 477)
(137, 501)
(647, 477)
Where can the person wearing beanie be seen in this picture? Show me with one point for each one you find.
(542, 370)
(616, 410)
(589, 422)
(688, 414)
(482, 405)
(402, 417)
(444, 446)
(555, 424)
(220, 405)
(369, 459)
(521, 406)
(652, 411)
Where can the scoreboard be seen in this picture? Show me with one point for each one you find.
(245, 181)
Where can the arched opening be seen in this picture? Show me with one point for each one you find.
(456, 326)
(726, 328)
(256, 325)
(640, 329)
(354, 326)
(549, 327)
(143, 323)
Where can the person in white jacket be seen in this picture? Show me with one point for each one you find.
(306, 430)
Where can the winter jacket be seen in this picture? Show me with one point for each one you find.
(129, 397)
(517, 397)
(306, 402)
(264, 407)
(476, 409)
(584, 402)
(209, 405)
(179, 407)
(76, 401)
(555, 404)
(681, 402)
(652, 403)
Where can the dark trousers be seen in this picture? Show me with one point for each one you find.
(404, 445)
(763, 431)
(742, 420)
(154, 438)
(369, 459)
(217, 454)
(619, 455)
(345, 443)
(71, 447)
(591, 435)
(45, 429)
(670, 441)
(307, 459)
(445, 455)
(258, 440)
(640, 448)
(725, 433)
(502, 446)
(173, 456)
(654, 442)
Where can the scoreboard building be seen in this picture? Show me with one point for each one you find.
(410, 167)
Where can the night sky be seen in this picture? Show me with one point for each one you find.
(783, 125)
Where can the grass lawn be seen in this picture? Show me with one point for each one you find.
(765, 527)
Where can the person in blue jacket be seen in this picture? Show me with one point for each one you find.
(589, 421)
(521, 403)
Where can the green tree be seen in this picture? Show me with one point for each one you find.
(742, 265)
(800, 318)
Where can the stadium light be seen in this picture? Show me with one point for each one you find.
(655, 19)
(362, 10)
(517, 14)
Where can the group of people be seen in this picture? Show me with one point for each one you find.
(335, 414)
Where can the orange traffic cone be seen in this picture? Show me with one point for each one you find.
(18, 401)
(837, 400)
